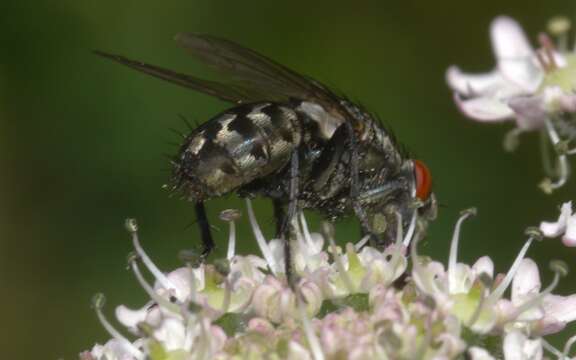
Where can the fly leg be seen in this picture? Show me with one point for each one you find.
(278, 216)
(336, 167)
(205, 233)
(290, 213)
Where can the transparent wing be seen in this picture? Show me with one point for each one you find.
(224, 92)
(254, 77)
(253, 71)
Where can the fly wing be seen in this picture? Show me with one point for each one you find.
(254, 77)
(226, 92)
(259, 77)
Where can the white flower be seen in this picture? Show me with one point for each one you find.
(565, 226)
(478, 353)
(275, 301)
(518, 346)
(467, 292)
(461, 290)
(524, 79)
(536, 310)
(439, 312)
(114, 349)
(536, 88)
(517, 73)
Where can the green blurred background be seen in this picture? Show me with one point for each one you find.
(82, 138)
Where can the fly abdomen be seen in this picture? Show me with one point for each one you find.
(235, 148)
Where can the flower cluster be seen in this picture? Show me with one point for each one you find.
(356, 302)
(534, 87)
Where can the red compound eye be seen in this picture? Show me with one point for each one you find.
(423, 180)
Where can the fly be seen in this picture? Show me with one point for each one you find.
(291, 139)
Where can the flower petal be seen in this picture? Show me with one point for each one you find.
(486, 109)
(172, 334)
(514, 54)
(530, 110)
(484, 265)
(567, 103)
(569, 238)
(554, 229)
(518, 347)
(561, 308)
(130, 318)
(478, 353)
(526, 282)
(474, 84)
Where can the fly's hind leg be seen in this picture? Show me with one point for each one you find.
(204, 226)
(286, 225)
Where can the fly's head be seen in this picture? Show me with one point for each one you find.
(423, 192)
(408, 199)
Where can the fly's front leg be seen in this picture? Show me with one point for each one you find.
(204, 226)
(337, 167)
(290, 213)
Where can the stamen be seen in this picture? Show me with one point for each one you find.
(511, 139)
(545, 152)
(360, 244)
(98, 302)
(547, 346)
(132, 228)
(264, 248)
(190, 333)
(311, 337)
(205, 345)
(548, 47)
(418, 270)
(222, 267)
(193, 291)
(230, 216)
(337, 259)
(133, 262)
(398, 250)
(411, 228)
(306, 233)
(559, 26)
(298, 232)
(568, 347)
(540, 56)
(563, 167)
(227, 296)
(191, 259)
(399, 228)
(454, 248)
(499, 291)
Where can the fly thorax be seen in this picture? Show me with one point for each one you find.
(326, 122)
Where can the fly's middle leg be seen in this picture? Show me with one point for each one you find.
(204, 227)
